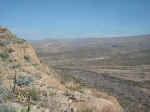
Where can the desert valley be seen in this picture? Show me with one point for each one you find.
(74, 56)
(119, 66)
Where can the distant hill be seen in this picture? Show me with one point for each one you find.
(133, 47)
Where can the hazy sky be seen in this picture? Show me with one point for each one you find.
(37, 19)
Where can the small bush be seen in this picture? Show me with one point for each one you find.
(75, 87)
(21, 110)
(34, 93)
(2, 44)
(6, 108)
(15, 66)
(27, 58)
(10, 50)
(21, 41)
(4, 56)
(23, 80)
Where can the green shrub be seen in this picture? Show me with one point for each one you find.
(14, 66)
(27, 58)
(76, 88)
(4, 56)
(21, 110)
(4, 44)
(34, 94)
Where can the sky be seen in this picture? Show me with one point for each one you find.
(40, 19)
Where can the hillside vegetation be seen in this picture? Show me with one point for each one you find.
(27, 84)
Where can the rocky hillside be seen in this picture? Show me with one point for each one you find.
(26, 82)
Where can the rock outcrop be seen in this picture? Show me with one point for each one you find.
(17, 57)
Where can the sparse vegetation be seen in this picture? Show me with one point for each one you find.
(10, 50)
(3, 44)
(34, 93)
(4, 55)
(15, 66)
(23, 80)
(75, 87)
(20, 41)
(21, 110)
(27, 58)
(126, 102)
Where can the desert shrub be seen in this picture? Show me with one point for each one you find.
(63, 78)
(20, 41)
(27, 58)
(21, 110)
(14, 66)
(126, 102)
(4, 43)
(4, 55)
(67, 93)
(23, 80)
(41, 61)
(6, 108)
(76, 88)
(10, 50)
(34, 94)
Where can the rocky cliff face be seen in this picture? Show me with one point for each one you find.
(18, 59)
